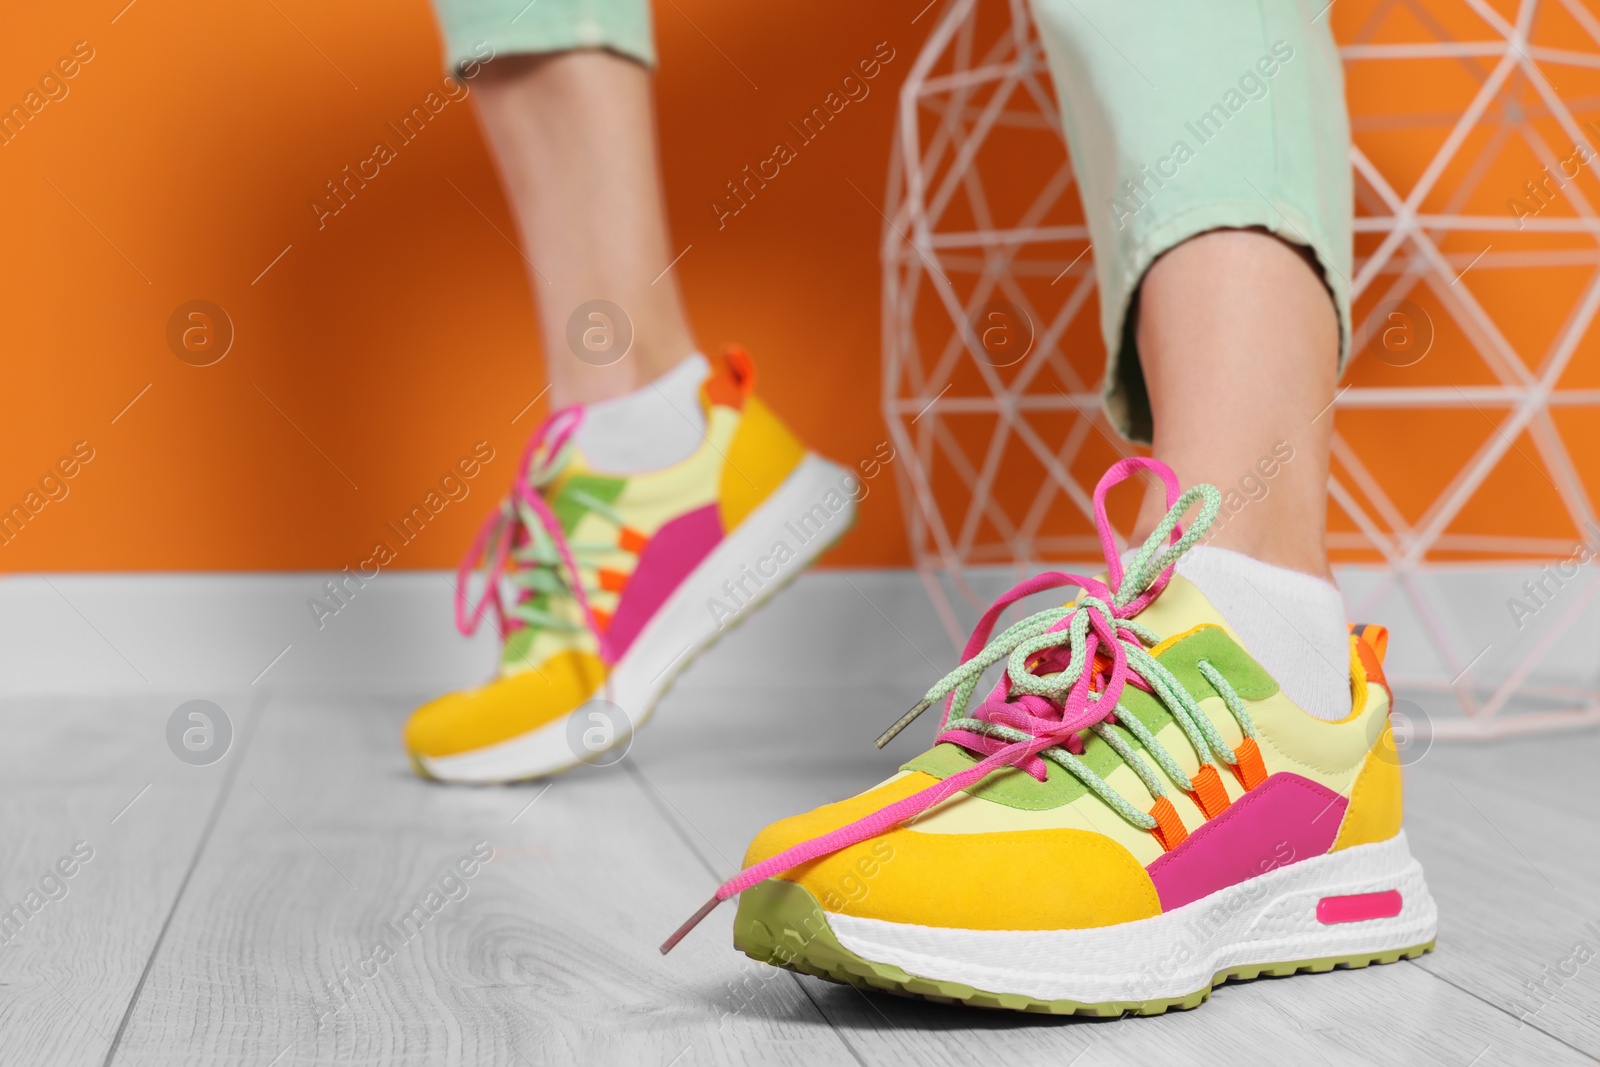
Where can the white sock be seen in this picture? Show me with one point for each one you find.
(654, 426)
(1293, 624)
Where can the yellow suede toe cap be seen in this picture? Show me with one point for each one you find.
(1055, 879)
(505, 708)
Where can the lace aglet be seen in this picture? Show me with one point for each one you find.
(694, 920)
(902, 722)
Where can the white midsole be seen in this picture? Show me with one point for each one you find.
(740, 573)
(1267, 919)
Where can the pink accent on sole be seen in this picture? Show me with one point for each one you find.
(1283, 820)
(1358, 907)
(674, 550)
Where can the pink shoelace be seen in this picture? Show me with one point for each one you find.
(1044, 722)
(507, 529)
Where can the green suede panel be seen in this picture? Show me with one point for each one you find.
(1017, 789)
(1008, 786)
(1210, 643)
(518, 644)
(569, 511)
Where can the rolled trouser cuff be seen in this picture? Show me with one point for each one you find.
(1185, 118)
(476, 31)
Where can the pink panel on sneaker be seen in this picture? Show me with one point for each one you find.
(675, 550)
(1284, 820)
(1358, 907)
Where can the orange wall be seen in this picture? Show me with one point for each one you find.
(1401, 115)
(183, 161)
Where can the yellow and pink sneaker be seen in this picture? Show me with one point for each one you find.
(606, 586)
(1133, 815)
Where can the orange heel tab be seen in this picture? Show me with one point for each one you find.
(732, 383)
(1368, 644)
(1374, 637)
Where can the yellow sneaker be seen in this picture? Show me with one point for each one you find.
(606, 585)
(1134, 814)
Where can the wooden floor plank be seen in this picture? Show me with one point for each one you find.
(546, 955)
(1393, 1014)
(1506, 832)
(90, 782)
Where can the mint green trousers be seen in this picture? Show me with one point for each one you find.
(1181, 117)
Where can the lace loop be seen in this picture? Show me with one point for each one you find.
(524, 530)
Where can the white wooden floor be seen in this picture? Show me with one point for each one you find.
(221, 904)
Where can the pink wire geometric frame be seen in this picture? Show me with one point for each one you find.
(973, 81)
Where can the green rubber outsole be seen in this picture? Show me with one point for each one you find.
(780, 923)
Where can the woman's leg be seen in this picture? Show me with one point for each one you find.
(1212, 153)
(564, 96)
(679, 480)
(574, 138)
(1240, 349)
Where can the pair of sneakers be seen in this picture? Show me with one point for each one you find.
(1133, 814)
